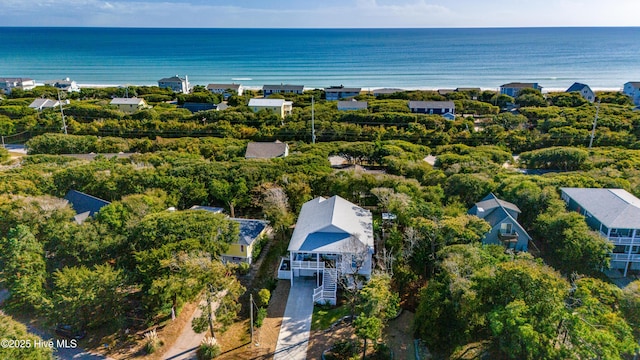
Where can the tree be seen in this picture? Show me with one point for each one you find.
(23, 268)
(231, 194)
(85, 298)
(275, 206)
(367, 328)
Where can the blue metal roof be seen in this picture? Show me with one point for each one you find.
(82, 202)
(250, 229)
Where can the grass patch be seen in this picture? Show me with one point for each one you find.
(323, 317)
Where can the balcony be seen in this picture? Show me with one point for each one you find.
(622, 240)
(314, 265)
(625, 257)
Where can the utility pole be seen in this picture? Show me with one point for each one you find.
(313, 124)
(213, 335)
(595, 122)
(251, 311)
(64, 122)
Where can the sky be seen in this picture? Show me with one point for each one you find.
(319, 13)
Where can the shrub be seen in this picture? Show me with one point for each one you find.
(209, 349)
(264, 295)
(262, 314)
(152, 342)
(244, 268)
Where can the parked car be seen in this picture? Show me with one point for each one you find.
(70, 332)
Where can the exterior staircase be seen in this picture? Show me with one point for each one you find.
(327, 292)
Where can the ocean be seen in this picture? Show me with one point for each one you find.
(604, 58)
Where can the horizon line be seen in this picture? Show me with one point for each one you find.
(329, 28)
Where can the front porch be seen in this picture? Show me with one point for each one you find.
(324, 268)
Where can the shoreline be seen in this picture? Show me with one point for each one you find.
(367, 89)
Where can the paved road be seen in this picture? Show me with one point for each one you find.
(296, 323)
(189, 341)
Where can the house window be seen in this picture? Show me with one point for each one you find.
(355, 262)
(241, 248)
(506, 228)
(619, 249)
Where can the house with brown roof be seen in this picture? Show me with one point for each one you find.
(266, 150)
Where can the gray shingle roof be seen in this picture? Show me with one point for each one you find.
(265, 102)
(431, 105)
(172, 79)
(285, 87)
(327, 225)
(265, 150)
(635, 84)
(491, 202)
(223, 87)
(362, 105)
(127, 101)
(614, 208)
(43, 103)
(519, 85)
(576, 87)
(342, 89)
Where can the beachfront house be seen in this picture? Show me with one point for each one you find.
(7, 84)
(332, 240)
(352, 105)
(279, 107)
(473, 92)
(334, 93)
(632, 89)
(503, 218)
(41, 104)
(226, 90)
(85, 205)
(386, 91)
(176, 84)
(584, 90)
(513, 89)
(445, 108)
(282, 89)
(615, 215)
(129, 105)
(266, 150)
(250, 233)
(65, 84)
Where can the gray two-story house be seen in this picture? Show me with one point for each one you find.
(615, 215)
(503, 218)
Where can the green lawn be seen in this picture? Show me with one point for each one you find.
(323, 318)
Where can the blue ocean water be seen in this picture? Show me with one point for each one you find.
(367, 58)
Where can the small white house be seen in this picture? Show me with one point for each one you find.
(41, 104)
(333, 239)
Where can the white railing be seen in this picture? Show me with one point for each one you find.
(317, 294)
(624, 240)
(307, 265)
(625, 257)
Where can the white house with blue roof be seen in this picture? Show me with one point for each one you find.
(503, 218)
(332, 238)
(615, 215)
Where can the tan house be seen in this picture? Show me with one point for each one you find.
(129, 105)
